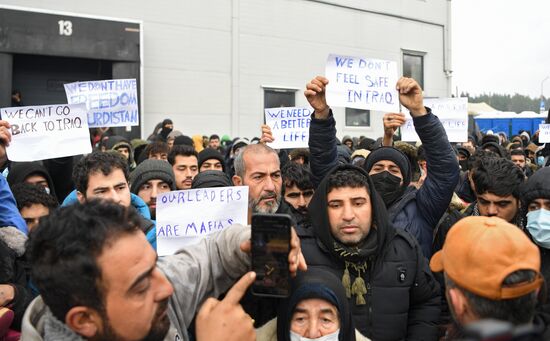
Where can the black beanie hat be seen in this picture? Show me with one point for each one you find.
(391, 154)
(152, 169)
(209, 153)
(183, 140)
(536, 187)
(211, 178)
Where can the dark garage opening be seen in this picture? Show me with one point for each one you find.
(40, 79)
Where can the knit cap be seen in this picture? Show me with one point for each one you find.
(152, 169)
(209, 153)
(391, 154)
(211, 178)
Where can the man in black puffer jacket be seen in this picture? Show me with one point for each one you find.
(392, 293)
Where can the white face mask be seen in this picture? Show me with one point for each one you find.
(328, 337)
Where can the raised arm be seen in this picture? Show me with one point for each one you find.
(322, 131)
(434, 196)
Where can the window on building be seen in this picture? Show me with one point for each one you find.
(275, 98)
(357, 117)
(413, 66)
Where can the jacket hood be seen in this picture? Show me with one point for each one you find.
(115, 142)
(318, 209)
(14, 239)
(321, 284)
(21, 170)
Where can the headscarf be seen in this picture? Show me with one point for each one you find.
(321, 284)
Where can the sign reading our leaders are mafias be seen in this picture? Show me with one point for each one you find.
(47, 132)
(362, 83)
(186, 217)
(453, 114)
(289, 126)
(110, 103)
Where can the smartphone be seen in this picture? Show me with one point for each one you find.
(270, 248)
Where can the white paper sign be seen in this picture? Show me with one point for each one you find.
(47, 131)
(453, 114)
(289, 126)
(362, 83)
(186, 217)
(110, 103)
(544, 134)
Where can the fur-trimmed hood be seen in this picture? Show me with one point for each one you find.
(14, 239)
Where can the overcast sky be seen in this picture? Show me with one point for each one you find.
(501, 46)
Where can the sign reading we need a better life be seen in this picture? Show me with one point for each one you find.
(110, 103)
(47, 131)
(453, 114)
(289, 126)
(362, 83)
(186, 217)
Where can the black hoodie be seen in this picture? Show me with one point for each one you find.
(21, 170)
(402, 299)
(316, 283)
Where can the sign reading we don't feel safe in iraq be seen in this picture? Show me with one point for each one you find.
(47, 131)
(186, 217)
(362, 83)
(110, 103)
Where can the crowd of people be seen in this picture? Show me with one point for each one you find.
(390, 240)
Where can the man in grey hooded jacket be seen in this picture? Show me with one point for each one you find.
(99, 279)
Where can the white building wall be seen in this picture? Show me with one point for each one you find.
(205, 62)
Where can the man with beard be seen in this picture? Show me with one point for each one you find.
(298, 190)
(257, 166)
(391, 292)
(492, 271)
(415, 211)
(100, 280)
(151, 178)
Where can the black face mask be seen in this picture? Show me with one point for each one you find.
(388, 186)
(463, 164)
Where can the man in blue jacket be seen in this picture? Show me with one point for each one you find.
(104, 175)
(416, 211)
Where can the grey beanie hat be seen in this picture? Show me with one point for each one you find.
(152, 169)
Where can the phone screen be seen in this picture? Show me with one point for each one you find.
(270, 248)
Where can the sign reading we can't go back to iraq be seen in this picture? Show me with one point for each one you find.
(47, 131)
(362, 83)
(110, 103)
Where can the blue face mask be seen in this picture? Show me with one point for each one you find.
(540, 161)
(538, 225)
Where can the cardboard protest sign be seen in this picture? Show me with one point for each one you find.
(453, 114)
(186, 217)
(362, 83)
(290, 126)
(110, 103)
(544, 133)
(47, 131)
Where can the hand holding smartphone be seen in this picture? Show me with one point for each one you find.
(270, 249)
